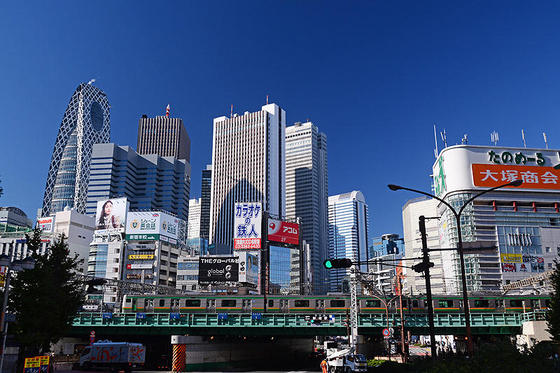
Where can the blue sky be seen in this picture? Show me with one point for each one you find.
(373, 75)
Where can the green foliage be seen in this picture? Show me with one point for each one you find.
(46, 298)
(375, 363)
(553, 316)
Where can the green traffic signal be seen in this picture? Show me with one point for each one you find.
(328, 264)
(337, 263)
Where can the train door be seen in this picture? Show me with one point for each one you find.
(211, 305)
(174, 305)
(149, 305)
(320, 305)
(283, 303)
(247, 305)
(134, 307)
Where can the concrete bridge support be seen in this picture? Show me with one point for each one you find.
(179, 358)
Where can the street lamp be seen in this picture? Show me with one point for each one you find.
(515, 183)
(15, 265)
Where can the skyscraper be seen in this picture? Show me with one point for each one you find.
(205, 197)
(247, 166)
(348, 233)
(307, 193)
(150, 182)
(86, 122)
(193, 226)
(164, 136)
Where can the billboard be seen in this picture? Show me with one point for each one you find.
(149, 225)
(283, 232)
(248, 267)
(215, 270)
(465, 167)
(46, 224)
(247, 226)
(141, 256)
(111, 214)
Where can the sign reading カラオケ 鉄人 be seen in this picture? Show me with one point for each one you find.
(247, 225)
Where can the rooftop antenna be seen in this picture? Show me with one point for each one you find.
(523, 137)
(444, 138)
(545, 140)
(231, 111)
(435, 140)
(494, 137)
(91, 81)
(465, 139)
(167, 110)
(267, 99)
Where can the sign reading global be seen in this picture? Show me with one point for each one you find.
(283, 232)
(218, 270)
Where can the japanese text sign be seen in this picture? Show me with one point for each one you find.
(534, 177)
(247, 225)
(283, 231)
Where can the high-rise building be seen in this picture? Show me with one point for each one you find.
(348, 233)
(164, 136)
(150, 182)
(14, 216)
(85, 122)
(248, 165)
(414, 282)
(523, 222)
(205, 197)
(193, 226)
(307, 193)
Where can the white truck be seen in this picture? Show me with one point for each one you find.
(344, 360)
(112, 355)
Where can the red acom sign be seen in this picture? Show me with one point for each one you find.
(283, 231)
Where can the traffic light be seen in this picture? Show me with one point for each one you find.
(337, 263)
(421, 267)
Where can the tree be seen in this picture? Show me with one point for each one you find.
(46, 298)
(553, 315)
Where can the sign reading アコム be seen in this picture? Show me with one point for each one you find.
(247, 226)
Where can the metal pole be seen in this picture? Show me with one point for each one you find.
(464, 281)
(3, 348)
(403, 344)
(426, 260)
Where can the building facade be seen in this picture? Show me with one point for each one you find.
(164, 136)
(348, 233)
(523, 222)
(14, 216)
(205, 196)
(414, 282)
(194, 226)
(86, 122)
(150, 182)
(248, 165)
(78, 230)
(307, 193)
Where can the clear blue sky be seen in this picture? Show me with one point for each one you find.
(373, 75)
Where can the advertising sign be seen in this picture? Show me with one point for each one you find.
(46, 224)
(149, 225)
(247, 225)
(215, 270)
(32, 365)
(534, 177)
(140, 266)
(248, 267)
(511, 258)
(111, 214)
(141, 256)
(283, 232)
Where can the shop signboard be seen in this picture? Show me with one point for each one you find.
(46, 224)
(283, 232)
(247, 226)
(141, 256)
(216, 270)
(248, 266)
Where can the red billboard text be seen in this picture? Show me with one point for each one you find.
(283, 232)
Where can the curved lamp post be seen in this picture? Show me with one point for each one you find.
(515, 183)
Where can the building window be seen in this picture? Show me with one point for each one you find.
(547, 249)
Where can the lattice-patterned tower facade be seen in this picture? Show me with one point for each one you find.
(85, 122)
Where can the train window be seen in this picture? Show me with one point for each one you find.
(500, 303)
(481, 303)
(415, 303)
(338, 303)
(271, 302)
(516, 303)
(228, 302)
(162, 302)
(192, 303)
(174, 302)
(373, 303)
(445, 303)
(301, 303)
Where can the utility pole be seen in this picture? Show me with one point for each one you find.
(426, 266)
(403, 344)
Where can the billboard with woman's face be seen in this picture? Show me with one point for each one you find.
(111, 214)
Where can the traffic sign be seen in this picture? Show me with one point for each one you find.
(386, 333)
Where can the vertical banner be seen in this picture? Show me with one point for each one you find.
(247, 226)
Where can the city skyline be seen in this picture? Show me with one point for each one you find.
(470, 71)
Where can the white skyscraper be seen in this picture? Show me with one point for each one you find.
(307, 193)
(348, 233)
(193, 225)
(248, 165)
